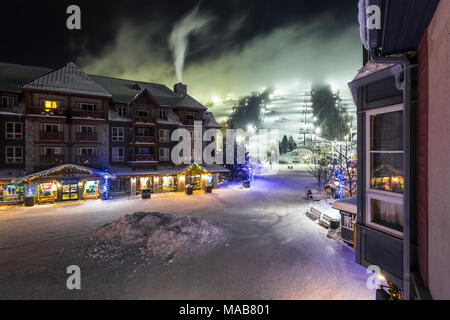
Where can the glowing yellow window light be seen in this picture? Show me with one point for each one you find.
(50, 105)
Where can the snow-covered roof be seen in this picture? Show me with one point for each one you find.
(127, 171)
(172, 118)
(371, 68)
(13, 75)
(49, 172)
(348, 205)
(325, 207)
(70, 79)
(124, 91)
(209, 121)
(9, 174)
(188, 101)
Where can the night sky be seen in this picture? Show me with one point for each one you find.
(238, 47)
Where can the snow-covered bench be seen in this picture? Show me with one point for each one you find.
(327, 217)
(314, 214)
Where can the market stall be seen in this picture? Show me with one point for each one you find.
(348, 209)
(11, 193)
(65, 183)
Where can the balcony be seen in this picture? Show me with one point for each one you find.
(144, 139)
(86, 159)
(51, 159)
(88, 114)
(144, 120)
(51, 136)
(189, 122)
(142, 158)
(86, 136)
(49, 112)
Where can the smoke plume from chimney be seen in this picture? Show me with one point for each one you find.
(192, 23)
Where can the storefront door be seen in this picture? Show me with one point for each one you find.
(70, 192)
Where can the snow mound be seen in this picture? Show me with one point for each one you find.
(156, 234)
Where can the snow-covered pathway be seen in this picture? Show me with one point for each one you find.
(273, 251)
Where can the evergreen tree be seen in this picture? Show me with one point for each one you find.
(248, 110)
(284, 145)
(328, 109)
(292, 144)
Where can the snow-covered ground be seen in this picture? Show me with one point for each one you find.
(272, 252)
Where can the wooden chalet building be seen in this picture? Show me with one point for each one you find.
(71, 136)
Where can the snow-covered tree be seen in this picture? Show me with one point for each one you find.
(320, 167)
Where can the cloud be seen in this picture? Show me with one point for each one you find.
(322, 51)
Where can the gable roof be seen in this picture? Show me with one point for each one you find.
(188, 101)
(13, 75)
(124, 91)
(210, 121)
(51, 171)
(70, 79)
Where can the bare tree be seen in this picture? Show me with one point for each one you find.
(320, 166)
(346, 162)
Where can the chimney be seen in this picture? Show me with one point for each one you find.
(180, 89)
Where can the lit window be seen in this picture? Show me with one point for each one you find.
(385, 171)
(50, 105)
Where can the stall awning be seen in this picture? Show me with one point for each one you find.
(347, 205)
(128, 172)
(64, 169)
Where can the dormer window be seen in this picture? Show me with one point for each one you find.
(122, 110)
(190, 116)
(163, 114)
(136, 87)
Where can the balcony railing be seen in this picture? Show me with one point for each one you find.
(50, 112)
(189, 122)
(86, 159)
(87, 114)
(52, 159)
(147, 120)
(86, 136)
(51, 135)
(142, 157)
(144, 139)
